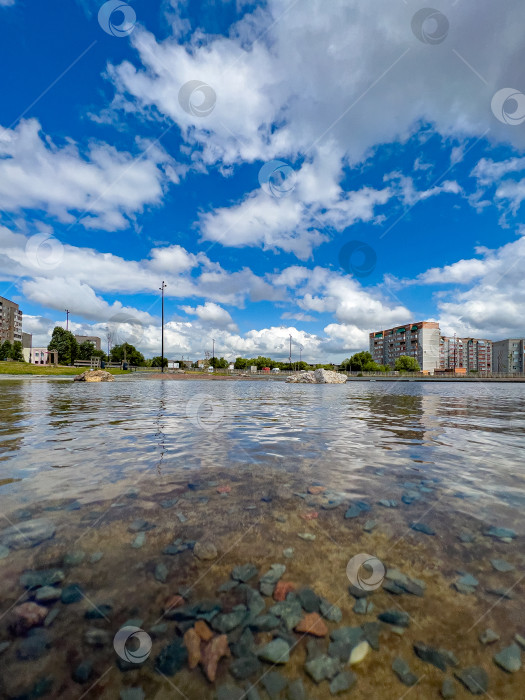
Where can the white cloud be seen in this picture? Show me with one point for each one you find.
(103, 188)
(492, 306)
(211, 314)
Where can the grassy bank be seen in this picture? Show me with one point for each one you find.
(18, 368)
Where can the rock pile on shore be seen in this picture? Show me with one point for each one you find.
(319, 376)
(96, 375)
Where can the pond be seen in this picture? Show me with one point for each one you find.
(263, 539)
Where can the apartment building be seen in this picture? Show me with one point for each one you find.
(91, 338)
(10, 321)
(471, 354)
(420, 340)
(509, 355)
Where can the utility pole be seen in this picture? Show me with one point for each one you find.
(213, 352)
(162, 330)
(67, 319)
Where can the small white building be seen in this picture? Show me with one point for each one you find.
(36, 356)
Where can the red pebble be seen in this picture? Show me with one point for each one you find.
(282, 589)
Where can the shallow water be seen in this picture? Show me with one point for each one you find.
(94, 458)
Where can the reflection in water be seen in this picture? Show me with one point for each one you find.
(60, 436)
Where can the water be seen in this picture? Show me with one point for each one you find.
(93, 458)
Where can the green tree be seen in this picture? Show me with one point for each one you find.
(240, 363)
(407, 364)
(6, 350)
(133, 356)
(66, 344)
(86, 350)
(157, 361)
(218, 363)
(357, 362)
(17, 355)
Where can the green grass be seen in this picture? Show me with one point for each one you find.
(25, 368)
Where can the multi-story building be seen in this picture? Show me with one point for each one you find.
(471, 354)
(92, 339)
(420, 340)
(509, 355)
(10, 321)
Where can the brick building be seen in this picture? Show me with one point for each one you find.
(471, 354)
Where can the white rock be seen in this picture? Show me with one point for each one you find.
(358, 653)
(319, 376)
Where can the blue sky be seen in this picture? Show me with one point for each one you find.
(287, 167)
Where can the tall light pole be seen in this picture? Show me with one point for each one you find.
(67, 319)
(213, 353)
(162, 331)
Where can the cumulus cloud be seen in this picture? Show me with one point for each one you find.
(211, 314)
(103, 188)
(492, 304)
(387, 80)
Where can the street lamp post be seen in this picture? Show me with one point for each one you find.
(162, 331)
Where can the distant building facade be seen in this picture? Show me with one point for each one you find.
(39, 356)
(509, 355)
(91, 338)
(10, 321)
(419, 340)
(471, 354)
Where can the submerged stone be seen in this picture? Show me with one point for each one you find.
(475, 679)
(245, 667)
(501, 533)
(422, 527)
(161, 572)
(403, 672)
(45, 577)
(275, 652)
(501, 565)
(244, 573)
(227, 622)
(274, 683)
(371, 633)
(71, 594)
(329, 611)
(172, 658)
(308, 599)
(322, 668)
(343, 681)
(395, 617)
(448, 689)
(488, 636)
(440, 658)
(27, 534)
(509, 659)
